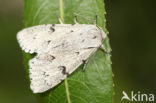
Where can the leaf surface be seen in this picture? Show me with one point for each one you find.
(95, 85)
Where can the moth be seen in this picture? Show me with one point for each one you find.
(60, 49)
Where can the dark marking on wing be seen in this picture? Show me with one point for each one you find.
(52, 57)
(45, 81)
(52, 29)
(47, 75)
(48, 41)
(47, 57)
(62, 44)
(77, 53)
(71, 31)
(53, 24)
(49, 84)
(89, 47)
(94, 37)
(56, 46)
(34, 37)
(63, 68)
(82, 40)
(44, 73)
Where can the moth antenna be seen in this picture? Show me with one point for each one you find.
(104, 49)
(85, 63)
(75, 20)
(95, 21)
(60, 20)
(88, 19)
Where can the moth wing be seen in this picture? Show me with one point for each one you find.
(83, 36)
(37, 38)
(90, 36)
(41, 38)
(48, 70)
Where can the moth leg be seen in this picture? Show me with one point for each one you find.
(61, 22)
(75, 20)
(84, 64)
(95, 21)
(104, 49)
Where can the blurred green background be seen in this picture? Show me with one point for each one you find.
(132, 27)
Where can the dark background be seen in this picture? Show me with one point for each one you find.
(132, 27)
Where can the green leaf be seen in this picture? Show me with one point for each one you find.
(95, 85)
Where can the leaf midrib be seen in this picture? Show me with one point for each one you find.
(66, 81)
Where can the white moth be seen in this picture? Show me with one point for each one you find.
(60, 49)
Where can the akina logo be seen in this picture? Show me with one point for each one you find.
(138, 97)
